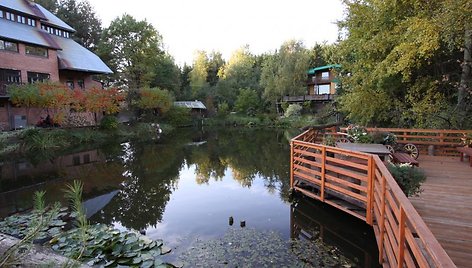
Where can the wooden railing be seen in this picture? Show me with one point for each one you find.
(361, 185)
(444, 141)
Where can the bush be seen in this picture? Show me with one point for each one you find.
(247, 102)
(385, 138)
(223, 109)
(359, 134)
(41, 140)
(293, 110)
(109, 122)
(178, 116)
(408, 178)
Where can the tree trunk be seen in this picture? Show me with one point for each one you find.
(464, 91)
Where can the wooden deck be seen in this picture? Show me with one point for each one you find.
(446, 205)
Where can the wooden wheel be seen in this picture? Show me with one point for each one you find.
(343, 140)
(412, 150)
(391, 150)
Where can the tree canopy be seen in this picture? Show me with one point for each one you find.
(131, 48)
(402, 62)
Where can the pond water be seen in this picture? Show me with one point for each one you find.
(195, 189)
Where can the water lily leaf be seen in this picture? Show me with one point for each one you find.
(147, 264)
(137, 260)
(165, 250)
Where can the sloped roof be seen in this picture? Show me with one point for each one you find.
(331, 66)
(75, 57)
(190, 104)
(23, 6)
(27, 34)
(52, 20)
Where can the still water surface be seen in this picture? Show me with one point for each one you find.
(194, 189)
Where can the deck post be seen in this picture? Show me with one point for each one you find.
(401, 238)
(291, 164)
(323, 171)
(370, 190)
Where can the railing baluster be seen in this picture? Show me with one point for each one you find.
(401, 238)
(323, 171)
(291, 164)
(382, 219)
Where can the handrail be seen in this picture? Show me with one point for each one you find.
(403, 238)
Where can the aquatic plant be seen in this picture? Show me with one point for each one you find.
(28, 229)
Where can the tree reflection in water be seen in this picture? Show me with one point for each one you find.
(152, 169)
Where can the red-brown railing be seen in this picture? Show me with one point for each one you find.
(363, 181)
(443, 141)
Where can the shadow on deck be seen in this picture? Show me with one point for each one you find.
(446, 205)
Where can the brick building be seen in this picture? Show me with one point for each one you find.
(35, 45)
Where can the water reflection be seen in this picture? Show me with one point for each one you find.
(184, 187)
(314, 221)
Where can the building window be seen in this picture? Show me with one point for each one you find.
(86, 158)
(81, 83)
(323, 89)
(325, 75)
(9, 16)
(76, 160)
(70, 83)
(10, 46)
(37, 77)
(8, 76)
(32, 22)
(1, 13)
(36, 51)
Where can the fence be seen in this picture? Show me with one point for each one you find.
(361, 185)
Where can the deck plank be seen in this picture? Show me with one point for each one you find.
(446, 205)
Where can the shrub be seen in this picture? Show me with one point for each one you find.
(383, 137)
(359, 134)
(154, 98)
(293, 110)
(178, 116)
(223, 109)
(247, 102)
(109, 122)
(408, 178)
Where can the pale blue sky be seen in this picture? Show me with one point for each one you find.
(189, 25)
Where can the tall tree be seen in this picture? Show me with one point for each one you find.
(399, 65)
(131, 48)
(241, 71)
(284, 73)
(166, 74)
(81, 16)
(199, 73)
(50, 5)
(215, 63)
(185, 89)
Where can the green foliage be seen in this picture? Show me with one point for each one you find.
(293, 110)
(399, 65)
(34, 139)
(198, 74)
(105, 246)
(154, 99)
(359, 134)
(36, 225)
(223, 109)
(109, 122)
(131, 48)
(81, 16)
(166, 74)
(284, 73)
(178, 116)
(408, 178)
(386, 138)
(24, 95)
(247, 100)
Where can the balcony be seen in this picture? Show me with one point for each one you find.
(319, 97)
